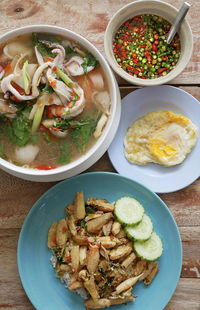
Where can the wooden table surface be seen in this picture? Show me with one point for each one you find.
(90, 18)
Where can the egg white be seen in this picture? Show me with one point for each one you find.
(161, 137)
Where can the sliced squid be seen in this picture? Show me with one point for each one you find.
(100, 125)
(97, 80)
(7, 86)
(39, 57)
(30, 70)
(102, 101)
(17, 48)
(50, 123)
(7, 108)
(73, 66)
(59, 59)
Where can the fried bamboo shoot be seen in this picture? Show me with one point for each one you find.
(52, 235)
(121, 251)
(98, 304)
(92, 259)
(128, 260)
(79, 211)
(82, 255)
(61, 232)
(75, 257)
(96, 224)
(125, 285)
(101, 204)
(91, 288)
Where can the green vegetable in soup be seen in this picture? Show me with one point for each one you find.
(89, 61)
(43, 49)
(69, 52)
(46, 137)
(63, 76)
(48, 89)
(38, 114)
(81, 134)
(65, 157)
(18, 131)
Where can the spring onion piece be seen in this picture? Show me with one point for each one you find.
(63, 76)
(38, 114)
(25, 78)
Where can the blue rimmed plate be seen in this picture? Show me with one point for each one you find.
(37, 275)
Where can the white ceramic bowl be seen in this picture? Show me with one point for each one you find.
(102, 144)
(159, 8)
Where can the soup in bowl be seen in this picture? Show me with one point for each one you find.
(59, 103)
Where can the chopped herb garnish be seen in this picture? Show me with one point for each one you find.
(65, 157)
(75, 99)
(69, 52)
(81, 223)
(89, 61)
(89, 210)
(81, 135)
(43, 49)
(19, 131)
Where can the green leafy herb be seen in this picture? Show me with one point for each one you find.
(81, 134)
(81, 223)
(42, 48)
(89, 61)
(66, 124)
(19, 131)
(89, 210)
(48, 89)
(75, 99)
(69, 52)
(53, 38)
(46, 137)
(65, 157)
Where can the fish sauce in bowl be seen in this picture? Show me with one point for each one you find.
(140, 47)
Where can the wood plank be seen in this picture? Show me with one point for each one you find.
(61, 13)
(187, 294)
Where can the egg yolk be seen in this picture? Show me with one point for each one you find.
(161, 149)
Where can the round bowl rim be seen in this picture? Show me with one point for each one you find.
(100, 145)
(134, 80)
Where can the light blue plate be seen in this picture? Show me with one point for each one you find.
(158, 178)
(37, 275)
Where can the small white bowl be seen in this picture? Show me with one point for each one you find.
(102, 144)
(159, 8)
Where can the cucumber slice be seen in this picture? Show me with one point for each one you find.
(141, 231)
(128, 211)
(150, 249)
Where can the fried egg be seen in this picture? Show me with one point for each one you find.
(161, 137)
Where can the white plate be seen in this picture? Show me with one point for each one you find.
(158, 178)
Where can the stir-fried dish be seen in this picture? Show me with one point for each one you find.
(95, 257)
(54, 100)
